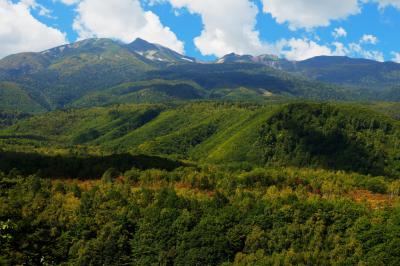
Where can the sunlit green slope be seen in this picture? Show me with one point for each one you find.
(331, 136)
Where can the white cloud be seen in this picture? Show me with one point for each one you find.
(301, 49)
(386, 3)
(396, 57)
(310, 13)
(229, 26)
(339, 32)
(237, 32)
(21, 32)
(355, 49)
(69, 2)
(340, 49)
(368, 38)
(32, 4)
(124, 20)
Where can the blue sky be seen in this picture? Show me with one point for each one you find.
(206, 29)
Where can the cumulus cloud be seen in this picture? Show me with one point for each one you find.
(369, 38)
(237, 32)
(229, 26)
(21, 32)
(340, 49)
(310, 13)
(42, 10)
(339, 32)
(386, 3)
(69, 2)
(301, 49)
(124, 20)
(396, 57)
(223, 34)
(355, 49)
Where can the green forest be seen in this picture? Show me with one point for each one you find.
(117, 153)
(201, 183)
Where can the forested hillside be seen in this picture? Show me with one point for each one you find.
(134, 154)
(361, 73)
(97, 72)
(329, 136)
(207, 216)
(368, 75)
(204, 183)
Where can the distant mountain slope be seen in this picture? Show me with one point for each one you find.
(92, 69)
(94, 72)
(65, 73)
(361, 73)
(267, 60)
(330, 136)
(264, 80)
(340, 70)
(71, 58)
(13, 99)
(58, 76)
(149, 91)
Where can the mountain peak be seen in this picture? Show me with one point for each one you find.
(142, 45)
(269, 60)
(235, 58)
(157, 52)
(140, 40)
(89, 45)
(232, 54)
(325, 60)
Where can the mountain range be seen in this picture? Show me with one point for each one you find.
(97, 72)
(341, 70)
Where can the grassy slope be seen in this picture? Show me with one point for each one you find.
(14, 98)
(391, 109)
(332, 136)
(143, 92)
(188, 130)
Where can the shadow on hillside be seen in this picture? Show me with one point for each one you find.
(85, 167)
(304, 137)
(336, 151)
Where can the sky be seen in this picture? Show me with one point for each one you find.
(208, 29)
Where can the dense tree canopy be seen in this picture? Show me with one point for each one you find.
(204, 216)
(201, 184)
